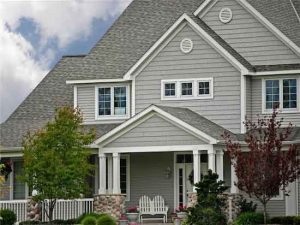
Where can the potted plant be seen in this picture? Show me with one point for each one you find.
(181, 211)
(132, 214)
(123, 220)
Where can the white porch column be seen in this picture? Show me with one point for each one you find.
(116, 173)
(211, 160)
(233, 188)
(102, 173)
(197, 167)
(220, 164)
(110, 173)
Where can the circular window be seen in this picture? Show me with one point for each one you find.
(225, 15)
(186, 45)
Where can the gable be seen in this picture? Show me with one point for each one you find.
(154, 131)
(249, 36)
(202, 62)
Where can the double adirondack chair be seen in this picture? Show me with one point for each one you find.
(155, 207)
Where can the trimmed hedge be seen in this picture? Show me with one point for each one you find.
(8, 217)
(249, 218)
(89, 220)
(285, 220)
(106, 220)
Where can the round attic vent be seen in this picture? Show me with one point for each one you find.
(186, 45)
(225, 15)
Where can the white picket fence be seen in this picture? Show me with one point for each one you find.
(64, 209)
(18, 206)
(68, 209)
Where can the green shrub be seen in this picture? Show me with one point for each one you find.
(89, 220)
(8, 217)
(245, 206)
(84, 215)
(282, 220)
(249, 218)
(106, 220)
(70, 221)
(28, 222)
(297, 220)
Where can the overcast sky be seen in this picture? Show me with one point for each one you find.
(34, 34)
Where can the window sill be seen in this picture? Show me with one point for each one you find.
(104, 118)
(187, 98)
(267, 112)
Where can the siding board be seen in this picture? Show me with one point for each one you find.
(155, 131)
(248, 36)
(202, 62)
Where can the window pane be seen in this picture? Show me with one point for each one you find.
(123, 175)
(19, 186)
(187, 89)
(170, 89)
(104, 101)
(290, 93)
(120, 100)
(204, 88)
(272, 94)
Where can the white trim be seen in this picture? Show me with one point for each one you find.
(75, 96)
(95, 81)
(167, 148)
(213, 43)
(154, 108)
(281, 109)
(297, 14)
(112, 116)
(133, 97)
(228, 19)
(186, 51)
(243, 103)
(178, 89)
(277, 72)
(262, 20)
(11, 181)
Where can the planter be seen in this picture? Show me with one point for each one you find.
(181, 215)
(123, 222)
(132, 217)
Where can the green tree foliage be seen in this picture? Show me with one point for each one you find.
(56, 159)
(210, 202)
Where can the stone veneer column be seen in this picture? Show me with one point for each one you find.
(192, 199)
(34, 210)
(112, 204)
(231, 208)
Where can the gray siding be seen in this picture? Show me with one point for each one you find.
(298, 192)
(248, 36)
(86, 101)
(202, 62)
(257, 103)
(155, 132)
(147, 177)
(274, 207)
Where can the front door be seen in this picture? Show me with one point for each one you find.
(184, 168)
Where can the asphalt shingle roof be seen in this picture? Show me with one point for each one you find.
(199, 122)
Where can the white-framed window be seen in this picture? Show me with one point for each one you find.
(125, 175)
(186, 89)
(112, 102)
(278, 197)
(282, 93)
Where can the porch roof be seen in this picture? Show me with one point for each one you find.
(184, 118)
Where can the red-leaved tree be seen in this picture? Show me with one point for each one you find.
(265, 165)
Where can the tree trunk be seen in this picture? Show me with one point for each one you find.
(265, 212)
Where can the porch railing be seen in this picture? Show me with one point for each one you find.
(18, 206)
(64, 209)
(68, 209)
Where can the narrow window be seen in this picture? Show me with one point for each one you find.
(19, 186)
(272, 94)
(104, 101)
(170, 89)
(187, 89)
(289, 93)
(124, 176)
(204, 87)
(120, 100)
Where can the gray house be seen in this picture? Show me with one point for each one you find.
(162, 85)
